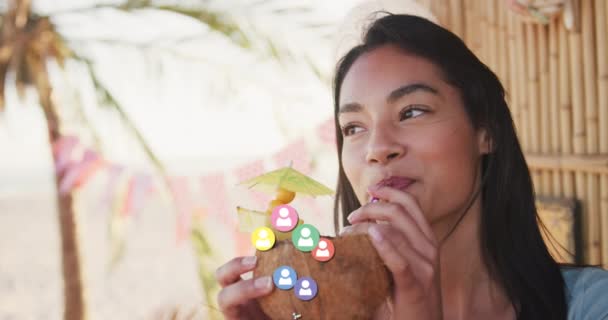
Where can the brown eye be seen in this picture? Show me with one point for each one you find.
(350, 130)
(410, 112)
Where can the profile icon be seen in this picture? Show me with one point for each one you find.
(263, 238)
(324, 251)
(305, 237)
(284, 218)
(306, 288)
(284, 277)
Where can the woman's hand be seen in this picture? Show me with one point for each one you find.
(405, 242)
(237, 297)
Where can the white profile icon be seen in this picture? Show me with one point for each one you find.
(284, 220)
(305, 290)
(285, 279)
(322, 251)
(263, 240)
(305, 239)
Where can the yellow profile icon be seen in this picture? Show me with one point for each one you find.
(263, 238)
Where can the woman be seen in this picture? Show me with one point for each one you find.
(431, 169)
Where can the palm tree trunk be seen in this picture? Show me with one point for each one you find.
(75, 307)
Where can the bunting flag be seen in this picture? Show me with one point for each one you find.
(125, 193)
(140, 186)
(180, 189)
(248, 171)
(297, 152)
(79, 172)
(114, 173)
(213, 190)
(63, 150)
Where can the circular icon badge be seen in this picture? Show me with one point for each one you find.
(306, 288)
(324, 251)
(263, 238)
(284, 218)
(284, 277)
(305, 237)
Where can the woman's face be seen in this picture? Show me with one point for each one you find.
(405, 126)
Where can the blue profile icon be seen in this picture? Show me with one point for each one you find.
(284, 277)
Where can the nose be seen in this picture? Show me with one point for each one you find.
(384, 146)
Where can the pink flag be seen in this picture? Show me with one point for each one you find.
(327, 132)
(114, 173)
(77, 173)
(297, 152)
(62, 143)
(180, 189)
(139, 187)
(251, 170)
(213, 188)
(62, 152)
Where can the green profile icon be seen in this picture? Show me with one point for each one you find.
(305, 237)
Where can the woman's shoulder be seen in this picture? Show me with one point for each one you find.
(586, 293)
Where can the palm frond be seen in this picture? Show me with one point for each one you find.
(288, 31)
(109, 99)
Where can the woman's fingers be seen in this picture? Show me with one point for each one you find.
(231, 271)
(242, 292)
(409, 203)
(398, 217)
(406, 264)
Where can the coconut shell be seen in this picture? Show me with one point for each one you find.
(352, 285)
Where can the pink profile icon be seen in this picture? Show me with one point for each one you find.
(284, 218)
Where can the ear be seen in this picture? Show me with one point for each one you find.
(484, 143)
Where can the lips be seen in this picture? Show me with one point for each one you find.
(395, 182)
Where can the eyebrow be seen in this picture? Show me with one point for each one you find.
(392, 97)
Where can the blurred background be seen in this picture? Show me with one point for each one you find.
(126, 126)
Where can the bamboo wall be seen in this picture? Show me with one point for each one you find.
(557, 83)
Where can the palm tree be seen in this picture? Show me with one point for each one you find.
(29, 41)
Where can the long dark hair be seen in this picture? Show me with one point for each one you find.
(512, 246)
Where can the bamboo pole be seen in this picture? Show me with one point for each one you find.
(565, 98)
(588, 32)
(501, 40)
(554, 103)
(581, 195)
(513, 83)
(533, 85)
(468, 22)
(484, 32)
(543, 74)
(491, 35)
(520, 41)
(604, 218)
(473, 22)
(565, 106)
(601, 21)
(456, 17)
(593, 189)
(576, 82)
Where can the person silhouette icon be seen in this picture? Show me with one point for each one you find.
(263, 238)
(284, 220)
(285, 280)
(305, 239)
(306, 288)
(284, 277)
(322, 250)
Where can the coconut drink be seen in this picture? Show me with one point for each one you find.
(314, 276)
